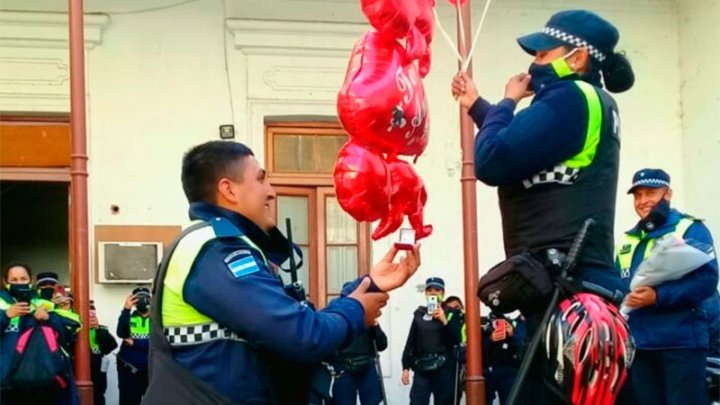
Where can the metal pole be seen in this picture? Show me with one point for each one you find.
(475, 383)
(79, 197)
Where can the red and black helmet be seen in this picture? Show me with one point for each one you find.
(589, 349)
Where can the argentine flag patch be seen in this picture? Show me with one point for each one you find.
(243, 266)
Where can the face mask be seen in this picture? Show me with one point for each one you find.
(21, 292)
(657, 216)
(542, 75)
(47, 293)
(142, 307)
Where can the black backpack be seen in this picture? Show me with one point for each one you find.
(39, 369)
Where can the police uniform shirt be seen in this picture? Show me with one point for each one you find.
(230, 283)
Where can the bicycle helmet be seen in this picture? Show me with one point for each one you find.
(589, 349)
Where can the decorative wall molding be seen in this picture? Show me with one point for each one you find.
(47, 30)
(267, 37)
(39, 71)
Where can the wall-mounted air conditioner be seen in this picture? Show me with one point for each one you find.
(128, 262)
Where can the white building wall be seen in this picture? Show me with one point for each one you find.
(157, 85)
(700, 97)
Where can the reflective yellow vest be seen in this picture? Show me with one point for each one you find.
(179, 317)
(626, 251)
(15, 322)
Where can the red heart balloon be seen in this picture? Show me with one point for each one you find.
(382, 102)
(393, 18)
(362, 183)
(408, 197)
(425, 21)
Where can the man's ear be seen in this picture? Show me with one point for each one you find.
(225, 190)
(668, 194)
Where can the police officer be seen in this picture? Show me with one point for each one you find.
(670, 322)
(556, 162)
(102, 343)
(46, 283)
(132, 360)
(64, 307)
(454, 304)
(224, 330)
(429, 350)
(502, 341)
(358, 369)
(19, 305)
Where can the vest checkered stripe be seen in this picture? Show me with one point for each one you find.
(196, 334)
(12, 328)
(559, 174)
(573, 40)
(95, 351)
(140, 335)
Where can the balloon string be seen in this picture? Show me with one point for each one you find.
(468, 59)
(447, 37)
(462, 27)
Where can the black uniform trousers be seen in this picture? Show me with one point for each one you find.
(99, 379)
(132, 384)
(440, 383)
(347, 387)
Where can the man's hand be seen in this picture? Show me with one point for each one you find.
(18, 309)
(439, 314)
(41, 314)
(640, 297)
(371, 302)
(405, 379)
(464, 89)
(130, 301)
(388, 276)
(517, 88)
(128, 341)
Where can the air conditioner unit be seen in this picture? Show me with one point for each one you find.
(128, 262)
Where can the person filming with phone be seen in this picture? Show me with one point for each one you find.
(132, 360)
(434, 331)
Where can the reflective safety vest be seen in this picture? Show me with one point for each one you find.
(626, 251)
(71, 316)
(94, 347)
(183, 324)
(14, 325)
(139, 327)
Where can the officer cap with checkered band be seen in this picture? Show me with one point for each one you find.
(582, 28)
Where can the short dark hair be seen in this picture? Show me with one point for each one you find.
(204, 165)
(17, 264)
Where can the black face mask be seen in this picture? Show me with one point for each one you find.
(47, 293)
(21, 292)
(657, 216)
(142, 308)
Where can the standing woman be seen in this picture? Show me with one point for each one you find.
(429, 349)
(555, 164)
(20, 308)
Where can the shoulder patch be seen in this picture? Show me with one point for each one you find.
(244, 265)
(235, 254)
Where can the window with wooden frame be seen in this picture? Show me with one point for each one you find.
(300, 159)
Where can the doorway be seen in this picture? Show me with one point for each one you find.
(34, 226)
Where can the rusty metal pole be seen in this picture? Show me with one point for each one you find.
(475, 383)
(79, 197)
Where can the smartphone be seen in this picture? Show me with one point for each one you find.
(26, 295)
(500, 329)
(432, 304)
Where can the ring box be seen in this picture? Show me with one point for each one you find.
(406, 240)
